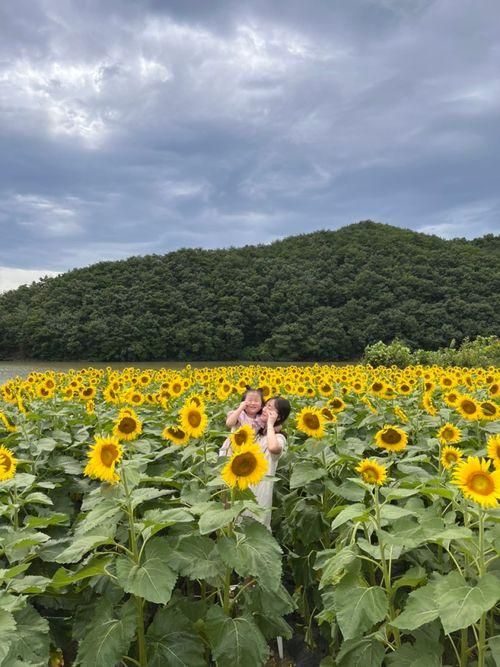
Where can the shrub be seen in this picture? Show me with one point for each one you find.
(383, 354)
(482, 351)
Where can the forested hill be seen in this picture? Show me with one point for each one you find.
(316, 296)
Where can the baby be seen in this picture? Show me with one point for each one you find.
(248, 412)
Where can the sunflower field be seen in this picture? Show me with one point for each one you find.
(126, 539)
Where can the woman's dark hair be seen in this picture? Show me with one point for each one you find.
(282, 406)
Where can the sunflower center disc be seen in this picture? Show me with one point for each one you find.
(244, 465)
(108, 455)
(391, 437)
(481, 483)
(5, 462)
(127, 425)
(194, 419)
(311, 421)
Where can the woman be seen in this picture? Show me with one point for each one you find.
(272, 444)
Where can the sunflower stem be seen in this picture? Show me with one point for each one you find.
(15, 508)
(226, 595)
(139, 602)
(385, 569)
(481, 643)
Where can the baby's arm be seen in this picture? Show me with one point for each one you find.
(234, 415)
(225, 450)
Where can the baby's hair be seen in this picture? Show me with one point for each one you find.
(257, 390)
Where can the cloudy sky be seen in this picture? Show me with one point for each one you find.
(130, 127)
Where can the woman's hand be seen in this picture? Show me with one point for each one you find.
(272, 416)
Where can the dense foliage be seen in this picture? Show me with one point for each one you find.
(482, 351)
(122, 540)
(318, 296)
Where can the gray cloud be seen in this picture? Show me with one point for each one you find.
(131, 128)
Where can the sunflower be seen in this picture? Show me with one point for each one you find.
(493, 450)
(451, 398)
(111, 395)
(104, 454)
(9, 426)
(244, 435)
(128, 426)
(447, 382)
(175, 434)
(135, 397)
(43, 392)
(358, 387)
(392, 438)
(476, 482)
(428, 405)
(468, 408)
(494, 389)
(222, 392)
(8, 464)
(450, 455)
(247, 466)
(196, 399)
(328, 414)
(377, 387)
(401, 414)
(87, 393)
(366, 401)
(144, 379)
(489, 410)
(325, 388)
(449, 434)
(388, 393)
(193, 420)
(372, 472)
(49, 383)
(176, 387)
(311, 422)
(336, 404)
(67, 394)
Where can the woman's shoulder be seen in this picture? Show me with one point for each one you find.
(281, 437)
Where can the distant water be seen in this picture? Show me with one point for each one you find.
(10, 369)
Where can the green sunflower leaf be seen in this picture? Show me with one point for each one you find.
(153, 579)
(108, 636)
(253, 551)
(172, 641)
(235, 641)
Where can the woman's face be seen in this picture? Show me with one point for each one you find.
(269, 407)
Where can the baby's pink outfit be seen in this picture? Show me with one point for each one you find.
(256, 423)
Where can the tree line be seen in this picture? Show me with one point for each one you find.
(320, 296)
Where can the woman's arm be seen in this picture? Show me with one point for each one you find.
(233, 416)
(273, 443)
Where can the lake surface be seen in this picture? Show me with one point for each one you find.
(10, 369)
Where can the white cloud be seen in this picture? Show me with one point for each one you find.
(468, 220)
(11, 278)
(48, 216)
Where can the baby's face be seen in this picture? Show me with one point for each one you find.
(253, 403)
